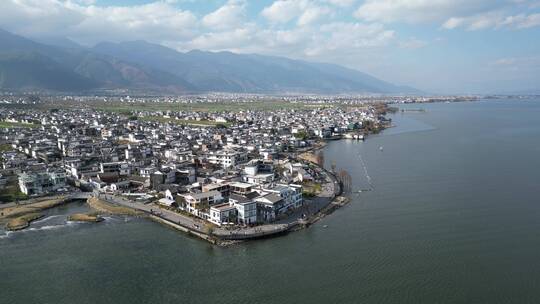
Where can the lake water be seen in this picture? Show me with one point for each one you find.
(454, 217)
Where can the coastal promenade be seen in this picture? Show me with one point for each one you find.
(298, 218)
(200, 226)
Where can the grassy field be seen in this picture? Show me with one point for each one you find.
(5, 147)
(7, 124)
(311, 188)
(161, 119)
(120, 107)
(128, 108)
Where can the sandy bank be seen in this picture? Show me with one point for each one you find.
(81, 217)
(22, 222)
(21, 210)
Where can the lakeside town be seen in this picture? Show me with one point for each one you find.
(220, 172)
(229, 173)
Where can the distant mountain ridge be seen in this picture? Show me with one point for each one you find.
(62, 66)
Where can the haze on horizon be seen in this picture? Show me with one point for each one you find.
(439, 46)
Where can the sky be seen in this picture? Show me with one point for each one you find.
(439, 46)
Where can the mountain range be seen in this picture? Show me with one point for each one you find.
(62, 65)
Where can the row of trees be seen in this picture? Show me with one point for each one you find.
(343, 176)
(345, 180)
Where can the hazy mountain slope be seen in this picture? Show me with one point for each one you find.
(155, 68)
(225, 71)
(101, 71)
(33, 70)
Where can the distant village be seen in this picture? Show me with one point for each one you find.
(239, 168)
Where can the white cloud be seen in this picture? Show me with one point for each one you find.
(347, 37)
(90, 23)
(414, 11)
(313, 14)
(493, 20)
(342, 3)
(305, 11)
(469, 14)
(453, 23)
(522, 21)
(337, 39)
(283, 11)
(228, 16)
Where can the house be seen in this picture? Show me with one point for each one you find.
(269, 207)
(226, 158)
(241, 188)
(168, 200)
(36, 183)
(223, 188)
(198, 203)
(222, 214)
(121, 168)
(258, 173)
(291, 195)
(246, 207)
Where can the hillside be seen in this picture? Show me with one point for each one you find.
(61, 65)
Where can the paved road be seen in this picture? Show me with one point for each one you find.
(329, 190)
(186, 221)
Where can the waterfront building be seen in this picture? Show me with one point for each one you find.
(38, 183)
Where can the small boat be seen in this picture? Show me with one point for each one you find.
(325, 226)
(380, 148)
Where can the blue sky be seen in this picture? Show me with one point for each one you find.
(440, 46)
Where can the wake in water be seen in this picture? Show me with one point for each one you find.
(55, 222)
(8, 234)
(33, 228)
(366, 173)
(5, 235)
(46, 219)
(49, 227)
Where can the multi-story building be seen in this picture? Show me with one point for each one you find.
(199, 204)
(121, 168)
(226, 158)
(37, 183)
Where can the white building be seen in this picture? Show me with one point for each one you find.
(198, 204)
(121, 168)
(41, 182)
(246, 208)
(291, 195)
(226, 158)
(222, 214)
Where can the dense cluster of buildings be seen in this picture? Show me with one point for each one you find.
(236, 168)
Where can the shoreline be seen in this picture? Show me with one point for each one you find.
(336, 202)
(19, 217)
(22, 222)
(216, 236)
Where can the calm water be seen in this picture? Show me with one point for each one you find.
(454, 218)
